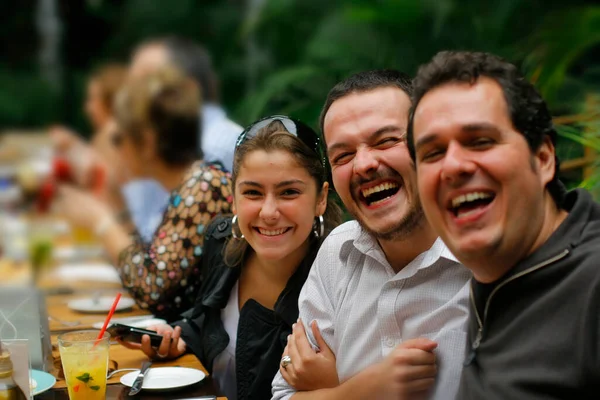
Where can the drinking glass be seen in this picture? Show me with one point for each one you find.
(85, 363)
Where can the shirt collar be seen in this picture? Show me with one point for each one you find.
(368, 245)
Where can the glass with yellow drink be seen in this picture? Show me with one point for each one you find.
(83, 236)
(85, 363)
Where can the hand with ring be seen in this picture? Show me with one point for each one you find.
(172, 345)
(285, 361)
(310, 370)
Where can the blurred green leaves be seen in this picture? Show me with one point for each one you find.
(283, 56)
(26, 100)
(562, 38)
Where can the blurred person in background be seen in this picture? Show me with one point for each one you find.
(218, 134)
(157, 126)
(146, 199)
(86, 162)
(256, 262)
(102, 88)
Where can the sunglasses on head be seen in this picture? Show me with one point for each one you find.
(292, 126)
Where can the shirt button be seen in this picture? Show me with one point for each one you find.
(389, 342)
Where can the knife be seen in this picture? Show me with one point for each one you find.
(139, 381)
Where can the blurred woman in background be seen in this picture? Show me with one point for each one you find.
(102, 87)
(157, 133)
(256, 262)
(95, 165)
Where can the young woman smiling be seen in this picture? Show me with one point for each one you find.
(256, 262)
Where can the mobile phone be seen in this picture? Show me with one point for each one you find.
(201, 398)
(132, 334)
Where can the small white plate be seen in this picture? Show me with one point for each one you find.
(165, 378)
(87, 271)
(136, 322)
(43, 381)
(100, 305)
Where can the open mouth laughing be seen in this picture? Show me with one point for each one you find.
(379, 193)
(468, 204)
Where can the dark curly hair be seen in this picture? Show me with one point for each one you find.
(528, 111)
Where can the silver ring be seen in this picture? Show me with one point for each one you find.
(285, 361)
(161, 356)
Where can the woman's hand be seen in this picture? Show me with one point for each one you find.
(309, 370)
(63, 138)
(172, 345)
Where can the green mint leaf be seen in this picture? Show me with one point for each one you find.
(84, 378)
(95, 387)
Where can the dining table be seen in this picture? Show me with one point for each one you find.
(78, 268)
(59, 294)
(63, 318)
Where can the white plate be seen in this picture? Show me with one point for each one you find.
(165, 378)
(137, 322)
(100, 305)
(87, 271)
(43, 381)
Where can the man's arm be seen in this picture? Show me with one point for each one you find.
(407, 372)
(315, 303)
(357, 387)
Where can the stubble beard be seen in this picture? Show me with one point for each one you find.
(407, 226)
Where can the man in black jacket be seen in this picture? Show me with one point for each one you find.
(484, 146)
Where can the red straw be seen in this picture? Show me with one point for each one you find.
(108, 317)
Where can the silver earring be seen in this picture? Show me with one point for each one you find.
(235, 226)
(319, 227)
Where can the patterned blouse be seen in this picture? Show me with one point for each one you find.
(164, 276)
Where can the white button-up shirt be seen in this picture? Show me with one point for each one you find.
(364, 309)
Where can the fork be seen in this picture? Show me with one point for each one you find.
(110, 375)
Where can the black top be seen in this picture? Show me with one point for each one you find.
(541, 334)
(262, 333)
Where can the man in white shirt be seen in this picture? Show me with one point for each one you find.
(146, 199)
(388, 297)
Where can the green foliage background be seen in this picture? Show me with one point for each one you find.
(282, 56)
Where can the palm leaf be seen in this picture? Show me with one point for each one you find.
(564, 36)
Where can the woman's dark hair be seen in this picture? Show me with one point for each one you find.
(275, 137)
(166, 102)
(527, 109)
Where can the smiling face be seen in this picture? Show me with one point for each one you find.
(482, 188)
(371, 167)
(276, 202)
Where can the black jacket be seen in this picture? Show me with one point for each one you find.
(540, 336)
(262, 333)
